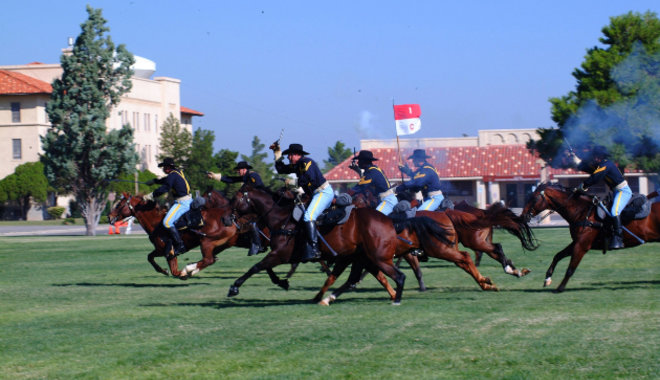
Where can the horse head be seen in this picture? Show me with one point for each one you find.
(122, 209)
(215, 199)
(555, 197)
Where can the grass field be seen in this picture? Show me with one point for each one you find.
(92, 307)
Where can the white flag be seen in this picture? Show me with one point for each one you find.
(406, 117)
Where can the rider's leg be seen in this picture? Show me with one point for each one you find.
(255, 246)
(170, 219)
(320, 201)
(621, 198)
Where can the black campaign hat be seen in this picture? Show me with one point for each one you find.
(600, 151)
(168, 161)
(419, 153)
(295, 149)
(243, 165)
(366, 155)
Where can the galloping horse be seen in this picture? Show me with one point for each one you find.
(215, 236)
(586, 230)
(366, 231)
(452, 222)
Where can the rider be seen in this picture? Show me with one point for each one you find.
(310, 182)
(246, 176)
(373, 180)
(424, 178)
(601, 168)
(176, 182)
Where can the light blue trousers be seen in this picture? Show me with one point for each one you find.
(320, 201)
(432, 204)
(387, 205)
(621, 198)
(175, 212)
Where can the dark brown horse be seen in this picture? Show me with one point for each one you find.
(217, 234)
(367, 232)
(451, 221)
(587, 231)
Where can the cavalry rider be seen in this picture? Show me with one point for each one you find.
(424, 178)
(177, 183)
(310, 182)
(373, 180)
(601, 168)
(247, 177)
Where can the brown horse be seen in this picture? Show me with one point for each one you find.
(587, 231)
(367, 232)
(451, 221)
(217, 234)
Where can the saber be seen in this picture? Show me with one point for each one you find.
(602, 206)
(281, 134)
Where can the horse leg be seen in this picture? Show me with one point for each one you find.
(294, 266)
(274, 278)
(173, 262)
(560, 255)
(462, 260)
(340, 265)
(268, 262)
(387, 267)
(507, 264)
(576, 257)
(414, 265)
(477, 258)
(153, 263)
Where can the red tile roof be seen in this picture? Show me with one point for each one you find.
(191, 111)
(489, 162)
(13, 83)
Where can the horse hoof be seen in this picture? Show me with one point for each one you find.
(233, 291)
(422, 288)
(284, 284)
(325, 302)
(396, 303)
(524, 272)
(547, 282)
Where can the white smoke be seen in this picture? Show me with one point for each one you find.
(365, 127)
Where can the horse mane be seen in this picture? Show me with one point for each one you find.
(279, 197)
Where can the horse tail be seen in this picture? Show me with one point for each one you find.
(426, 228)
(514, 224)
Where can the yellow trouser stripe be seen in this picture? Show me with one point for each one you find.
(616, 203)
(172, 213)
(312, 213)
(428, 206)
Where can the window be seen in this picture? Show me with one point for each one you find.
(136, 121)
(147, 124)
(16, 112)
(156, 123)
(16, 149)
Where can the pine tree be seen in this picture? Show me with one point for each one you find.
(201, 160)
(80, 155)
(336, 155)
(258, 163)
(175, 142)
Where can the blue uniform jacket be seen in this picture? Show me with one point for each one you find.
(373, 180)
(251, 178)
(175, 181)
(308, 173)
(425, 179)
(606, 170)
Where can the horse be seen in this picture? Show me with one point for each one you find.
(587, 231)
(217, 234)
(366, 232)
(452, 222)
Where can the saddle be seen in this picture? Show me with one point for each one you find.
(639, 207)
(401, 212)
(193, 217)
(338, 213)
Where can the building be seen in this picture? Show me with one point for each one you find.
(25, 90)
(491, 167)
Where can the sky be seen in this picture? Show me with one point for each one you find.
(328, 71)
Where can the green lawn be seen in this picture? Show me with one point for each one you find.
(92, 307)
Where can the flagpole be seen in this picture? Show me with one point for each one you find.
(398, 147)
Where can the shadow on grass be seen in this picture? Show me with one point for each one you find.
(134, 285)
(229, 303)
(597, 286)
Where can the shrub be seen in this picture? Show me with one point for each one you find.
(55, 212)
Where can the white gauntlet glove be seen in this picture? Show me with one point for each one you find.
(215, 176)
(299, 191)
(148, 197)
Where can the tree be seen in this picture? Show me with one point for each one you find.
(28, 183)
(616, 102)
(80, 155)
(258, 163)
(175, 142)
(201, 160)
(224, 161)
(336, 155)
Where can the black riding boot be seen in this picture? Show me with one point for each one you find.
(255, 246)
(177, 243)
(311, 248)
(617, 241)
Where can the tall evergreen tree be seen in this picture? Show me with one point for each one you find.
(175, 141)
(80, 155)
(201, 160)
(336, 155)
(616, 102)
(224, 162)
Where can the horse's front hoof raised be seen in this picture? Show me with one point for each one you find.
(233, 291)
(284, 284)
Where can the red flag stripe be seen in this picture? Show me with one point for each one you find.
(407, 111)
